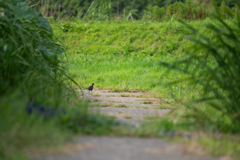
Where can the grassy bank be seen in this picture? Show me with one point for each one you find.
(120, 55)
(123, 56)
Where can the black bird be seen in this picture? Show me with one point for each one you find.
(90, 88)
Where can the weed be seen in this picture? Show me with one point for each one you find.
(121, 106)
(143, 96)
(95, 100)
(125, 95)
(147, 102)
(166, 107)
(120, 112)
(151, 117)
(211, 70)
(115, 101)
(128, 116)
(100, 105)
(115, 90)
(112, 116)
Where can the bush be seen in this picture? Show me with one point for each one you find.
(31, 57)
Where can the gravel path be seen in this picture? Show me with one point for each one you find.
(124, 148)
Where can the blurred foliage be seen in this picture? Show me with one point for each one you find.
(33, 69)
(216, 60)
(30, 54)
(190, 10)
(119, 9)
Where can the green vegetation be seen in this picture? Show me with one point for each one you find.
(125, 95)
(120, 112)
(110, 105)
(147, 102)
(95, 100)
(123, 56)
(167, 107)
(31, 69)
(124, 9)
(132, 95)
(101, 105)
(111, 57)
(36, 94)
(128, 116)
(115, 101)
(191, 10)
(96, 95)
(198, 61)
(215, 63)
(121, 106)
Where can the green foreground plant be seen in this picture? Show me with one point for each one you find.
(215, 63)
(33, 69)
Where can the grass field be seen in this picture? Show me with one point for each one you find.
(124, 56)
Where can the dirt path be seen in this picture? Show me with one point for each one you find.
(128, 108)
(132, 108)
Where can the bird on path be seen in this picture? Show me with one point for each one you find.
(90, 88)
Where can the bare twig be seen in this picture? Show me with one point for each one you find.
(88, 11)
(59, 11)
(130, 15)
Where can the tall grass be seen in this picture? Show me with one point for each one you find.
(31, 69)
(216, 60)
(102, 10)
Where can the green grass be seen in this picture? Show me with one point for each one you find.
(125, 95)
(147, 102)
(126, 56)
(97, 95)
(221, 145)
(120, 112)
(144, 107)
(128, 116)
(112, 116)
(151, 117)
(166, 107)
(132, 95)
(110, 105)
(115, 101)
(95, 100)
(20, 133)
(122, 106)
(145, 96)
(32, 69)
(122, 65)
(101, 105)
